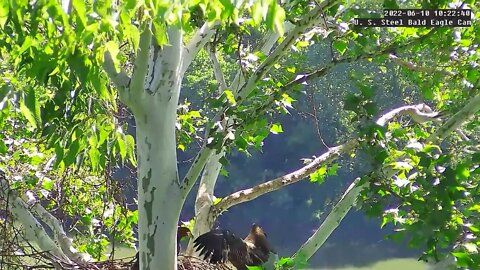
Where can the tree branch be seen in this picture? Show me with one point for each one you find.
(141, 60)
(412, 66)
(279, 182)
(331, 222)
(309, 20)
(268, 42)
(194, 172)
(416, 111)
(217, 69)
(61, 237)
(34, 231)
(340, 210)
(121, 80)
(196, 43)
(456, 120)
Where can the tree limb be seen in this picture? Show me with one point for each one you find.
(194, 172)
(331, 222)
(279, 182)
(196, 43)
(416, 111)
(309, 20)
(412, 66)
(348, 199)
(61, 237)
(217, 69)
(141, 60)
(34, 231)
(456, 120)
(121, 80)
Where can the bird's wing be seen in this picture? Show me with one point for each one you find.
(213, 245)
(239, 253)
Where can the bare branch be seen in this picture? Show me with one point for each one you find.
(217, 69)
(33, 229)
(412, 66)
(60, 236)
(194, 172)
(279, 182)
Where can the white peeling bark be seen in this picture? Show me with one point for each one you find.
(154, 102)
(64, 242)
(34, 231)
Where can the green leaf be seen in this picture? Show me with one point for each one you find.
(463, 259)
(462, 171)
(230, 97)
(122, 147)
(47, 184)
(352, 102)
(94, 156)
(340, 46)
(160, 32)
(3, 147)
(319, 175)
(371, 108)
(112, 48)
(30, 108)
(276, 128)
(275, 18)
(332, 170)
(72, 153)
(390, 4)
(79, 6)
(4, 10)
(130, 148)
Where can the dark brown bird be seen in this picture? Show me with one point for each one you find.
(219, 245)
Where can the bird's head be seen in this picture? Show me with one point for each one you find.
(259, 238)
(257, 230)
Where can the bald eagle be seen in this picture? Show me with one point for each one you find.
(218, 246)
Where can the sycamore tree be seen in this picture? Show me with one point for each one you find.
(72, 71)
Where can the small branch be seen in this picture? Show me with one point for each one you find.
(196, 43)
(309, 20)
(412, 66)
(60, 236)
(331, 222)
(268, 42)
(197, 166)
(217, 69)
